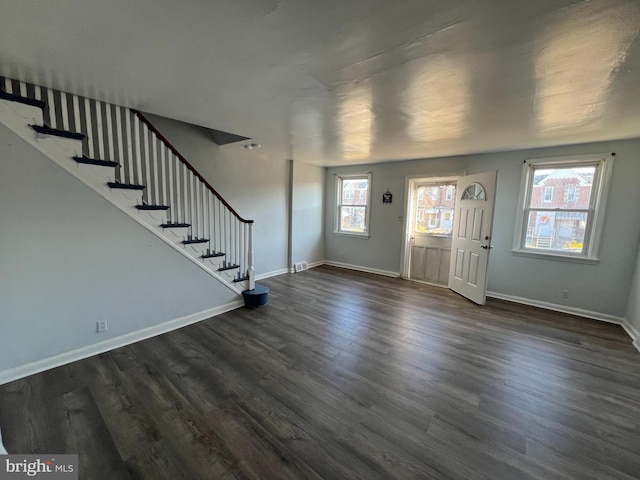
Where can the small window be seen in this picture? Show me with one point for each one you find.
(353, 201)
(473, 192)
(449, 194)
(565, 225)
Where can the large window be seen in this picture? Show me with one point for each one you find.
(567, 225)
(354, 193)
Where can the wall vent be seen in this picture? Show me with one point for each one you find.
(300, 266)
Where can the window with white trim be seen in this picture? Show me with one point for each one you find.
(353, 201)
(566, 226)
(449, 194)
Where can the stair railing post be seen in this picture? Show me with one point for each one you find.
(252, 272)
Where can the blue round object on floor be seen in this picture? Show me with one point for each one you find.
(258, 297)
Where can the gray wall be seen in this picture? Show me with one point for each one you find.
(602, 288)
(382, 250)
(69, 258)
(255, 186)
(307, 240)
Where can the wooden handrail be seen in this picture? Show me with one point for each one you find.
(144, 119)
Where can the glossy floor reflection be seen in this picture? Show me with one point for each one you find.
(347, 375)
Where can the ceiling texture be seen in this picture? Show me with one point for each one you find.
(338, 82)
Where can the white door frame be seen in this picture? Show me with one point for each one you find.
(407, 224)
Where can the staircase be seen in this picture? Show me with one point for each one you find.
(119, 154)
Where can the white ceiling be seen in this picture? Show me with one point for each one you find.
(336, 82)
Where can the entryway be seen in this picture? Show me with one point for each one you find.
(446, 214)
(430, 224)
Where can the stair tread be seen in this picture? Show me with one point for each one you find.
(240, 279)
(213, 255)
(20, 99)
(175, 225)
(195, 240)
(126, 186)
(228, 267)
(95, 161)
(47, 130)
(144, 206)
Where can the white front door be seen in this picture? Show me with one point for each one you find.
(471, 241)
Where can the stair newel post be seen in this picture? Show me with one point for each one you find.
(251, 272)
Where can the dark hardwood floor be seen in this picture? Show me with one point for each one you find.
(347, 375)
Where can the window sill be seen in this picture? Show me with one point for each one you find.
(352, 235)
(556, 256)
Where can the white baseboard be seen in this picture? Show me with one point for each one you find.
(603, 317)
(632, 332)
(273, 273)
(48, 363)
(386, 273)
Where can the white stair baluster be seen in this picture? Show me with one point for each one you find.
(138, 154)
(51, 104)
(148, 192)
(155, 162)
(121, 169)
(110, 141)
(64, 111)
(130, 141)
(252, 272)
(99, 130)
(76, 113)
(173, 179)
(89, 127)
(163, 174)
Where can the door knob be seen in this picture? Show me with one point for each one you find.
(486, 247)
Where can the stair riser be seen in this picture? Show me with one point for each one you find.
(101, 174)
(229, 275)
(214, 263)
(133, 197)
(196, 249)
(17, 117)
(158, 216)
(176, 235)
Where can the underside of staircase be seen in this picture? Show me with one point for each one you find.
(122, 157)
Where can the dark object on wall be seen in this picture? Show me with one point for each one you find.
(387, 197)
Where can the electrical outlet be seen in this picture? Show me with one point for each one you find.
(564, 293)
(101, 326)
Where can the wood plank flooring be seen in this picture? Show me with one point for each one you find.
(346, 375)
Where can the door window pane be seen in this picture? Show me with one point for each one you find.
(434, 209)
